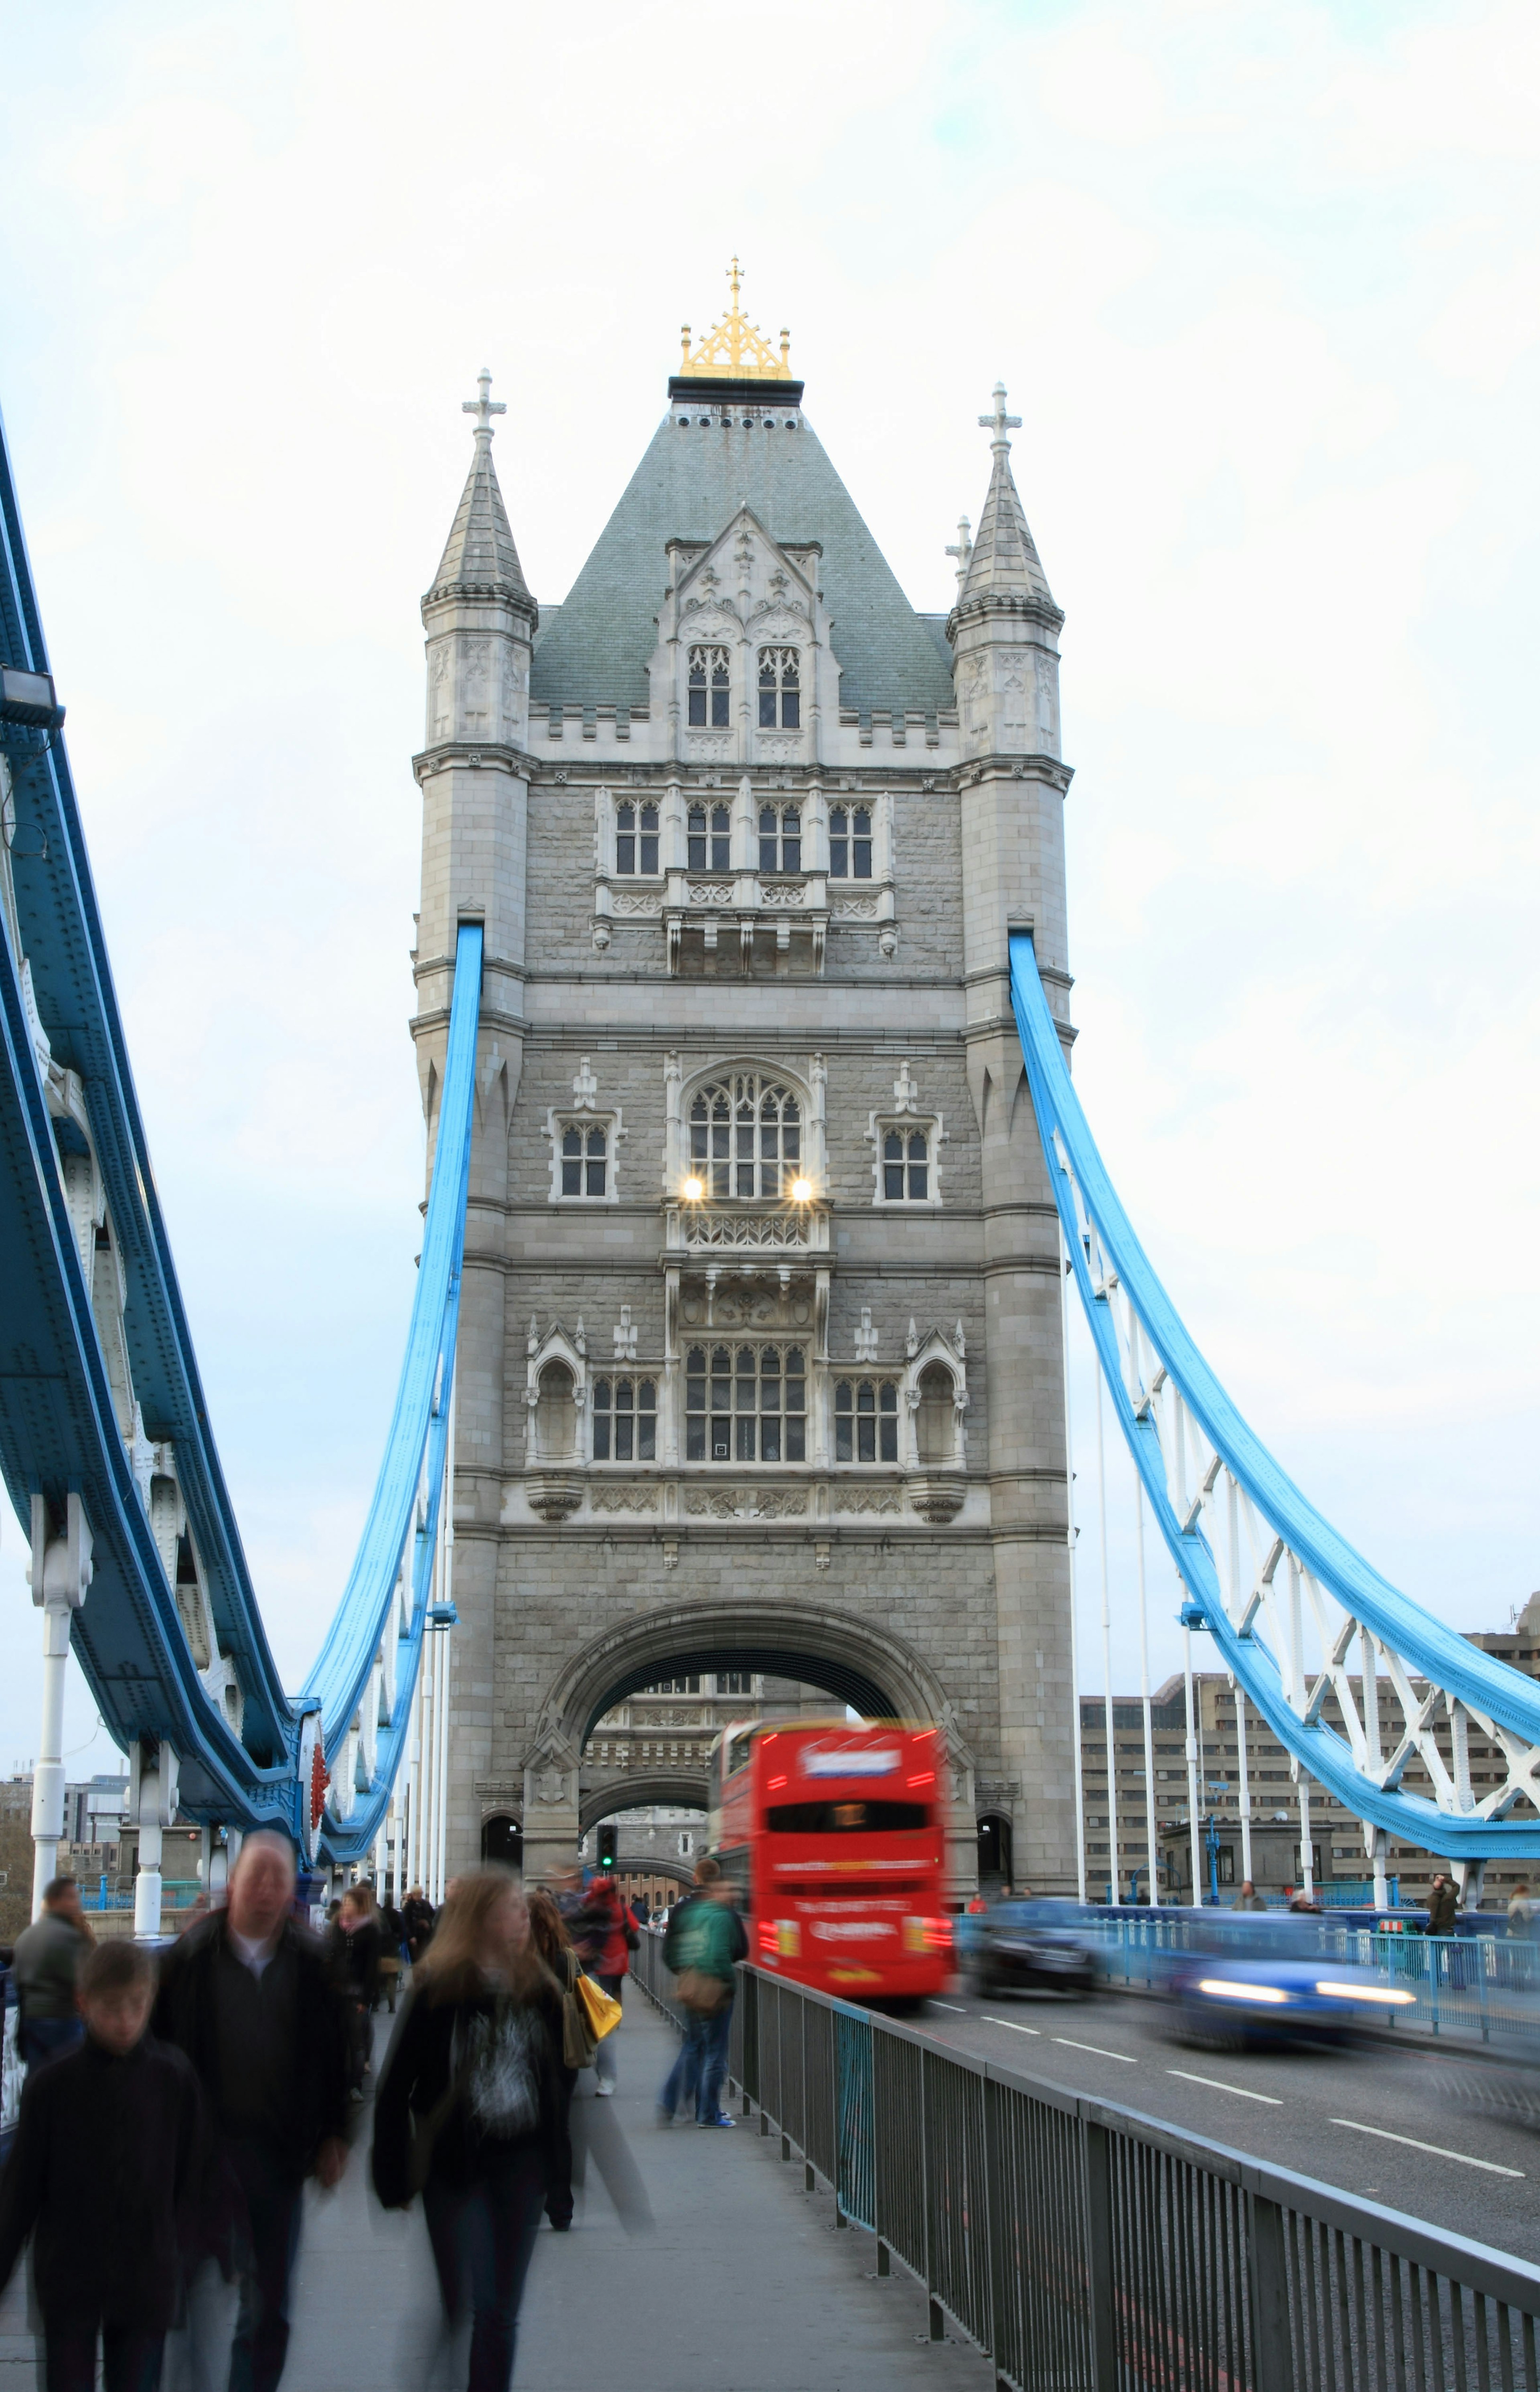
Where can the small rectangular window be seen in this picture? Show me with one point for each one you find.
(696, 836)
(625, 839)
(862, 843)
(721, 838)
(791, 710)
(571, 1162)
(790, 841)
(768, 844)
(718, 696)
(892, 1167)
(839, 844)
(649, 838)
(595, 1164)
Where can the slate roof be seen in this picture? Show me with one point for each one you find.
(689, 486)
(1004, 558)
(479, 553)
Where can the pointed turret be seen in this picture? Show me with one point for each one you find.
(1004, 626)
(480, 559)
(1004, 560)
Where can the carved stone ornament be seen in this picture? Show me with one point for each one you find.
(549, 1787)
(937, 1496)
(745, 1502)
(869, 1498)
(623, 1499)
(552, 1495)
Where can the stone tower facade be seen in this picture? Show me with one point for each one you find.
(760, 1360)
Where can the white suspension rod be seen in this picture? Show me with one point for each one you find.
(1192, 1760)
(1074, 1575)
(1115, 1887)
(1245, 1786)
(1151, 1831)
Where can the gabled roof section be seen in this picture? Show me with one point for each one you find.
(691, 483)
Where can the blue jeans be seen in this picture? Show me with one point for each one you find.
(44, 2040)
(696, 2075)
(483, 2236)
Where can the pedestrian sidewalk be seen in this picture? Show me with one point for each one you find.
(745, 2283)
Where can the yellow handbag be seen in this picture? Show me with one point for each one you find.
(600, 2009)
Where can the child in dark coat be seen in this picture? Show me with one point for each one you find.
(108, 2172)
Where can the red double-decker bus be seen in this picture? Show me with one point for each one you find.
(835, 1834)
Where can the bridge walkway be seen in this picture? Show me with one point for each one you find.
(745, 2284)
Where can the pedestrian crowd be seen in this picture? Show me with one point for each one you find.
(176, 2105)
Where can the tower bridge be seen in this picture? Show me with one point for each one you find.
(756, 1183)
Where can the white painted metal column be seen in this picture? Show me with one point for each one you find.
(1368, 1696)
(1115, 1891)
(1307, 1871)
(152, 1804)
(1192, 1758)
(1245, 1784)
(60, 1575)
(1074, 1575)
(1152, 1837)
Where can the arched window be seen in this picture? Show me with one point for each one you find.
(502, 1840)
(745, 1137)
(745, 1403)
(850, 843)
(779, 690)
(625, 1420)
(710, 838)
(635, 850)
(709, 688)
(906, 1166)
(935, 1421)
(780, 839)
(866, 1420)
(556, 1414)
(585, 1161)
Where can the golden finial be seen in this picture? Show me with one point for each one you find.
(736, 350)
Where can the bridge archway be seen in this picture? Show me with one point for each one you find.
(881, 1676)
(639, 1792)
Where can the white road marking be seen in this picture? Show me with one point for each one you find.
(1100, 2050)
(1438, 2150)
(947, 2006)
(1014, 2024)
(1220, 2087)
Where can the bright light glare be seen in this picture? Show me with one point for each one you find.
(801, 1190)
(693, 1190)
(1349, 1993)
(1229, 1990)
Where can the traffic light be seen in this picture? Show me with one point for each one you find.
(606, 1847)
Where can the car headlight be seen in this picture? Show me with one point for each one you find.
(1391, 1996)
(1231, 1989)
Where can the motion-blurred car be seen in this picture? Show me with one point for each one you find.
(1035, 1944)
(1242, 1978)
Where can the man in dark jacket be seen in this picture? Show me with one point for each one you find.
(108, 2172)
(1442, 1903)
(246, 1995)
(44, 1965)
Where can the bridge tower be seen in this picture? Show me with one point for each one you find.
(760, 1362)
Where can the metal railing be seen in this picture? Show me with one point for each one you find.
(1086, 2248)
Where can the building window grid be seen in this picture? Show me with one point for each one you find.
(709, 839)
(745, 1403)
(866, 1420)
(780, 839)
(636, 850)
(850, 843)
(779, 690)
(710, 689)
(585, 1161)
(745, 1138)
(625, 1420)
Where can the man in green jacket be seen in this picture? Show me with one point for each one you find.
(45, 1965)
(703, 1945)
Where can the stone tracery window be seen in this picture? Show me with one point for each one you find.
(625, 1420)
(745, 1403)
(850, 843)
(710, 834)
(585, 1158)
(906, 1166)
(745, 1137)
(866, 1420)
(779, 690)
(710, 688)
(780, 839)
(636, 837)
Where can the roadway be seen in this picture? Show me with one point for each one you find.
(1370, 2121)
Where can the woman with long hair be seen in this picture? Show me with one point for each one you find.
(468, 2109)
(547, 1932)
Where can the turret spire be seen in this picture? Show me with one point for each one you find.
(479, 556)
(1005, 563)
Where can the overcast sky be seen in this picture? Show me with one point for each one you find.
(1265, 283)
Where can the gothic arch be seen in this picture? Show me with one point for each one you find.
(638, 1790)
(878, 1673)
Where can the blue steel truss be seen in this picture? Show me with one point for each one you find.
(1285, 1598)
(86, 1267)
